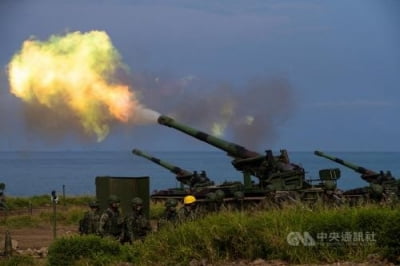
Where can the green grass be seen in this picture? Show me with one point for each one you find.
(68, 215)
(156, 210)
(20, 221)
(17, 260)
(93, 249)
(17, 203)
(65, 216)
(229, 236)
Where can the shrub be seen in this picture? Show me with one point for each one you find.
(388, 239)
(249, 235)
(156, 210)
(67, 251)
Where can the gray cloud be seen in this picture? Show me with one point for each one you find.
(357, 103)
(250, 115)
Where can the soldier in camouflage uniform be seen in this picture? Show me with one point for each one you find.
(170, 214)
(111, 222)
(136, 225)
(188, 212)
(214, 201)
(90, 221)
(3, 204)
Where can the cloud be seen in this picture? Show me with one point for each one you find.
(357, 103)
(248, 115)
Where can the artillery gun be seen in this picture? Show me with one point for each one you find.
(192, 183)
(185, 177)
(382, 185)
(276, 174)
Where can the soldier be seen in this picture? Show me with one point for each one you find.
(188, 212)
(136, 226)
(220, 195)
(238, 203)
(111, 221)
(210, 202)
(170, 214)
(3, 204)
(215, 201)
(89, 224)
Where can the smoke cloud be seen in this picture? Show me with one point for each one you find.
(249, 115)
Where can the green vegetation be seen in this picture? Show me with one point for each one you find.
(67, 216)
(17, 203)
(226, 236)
(37, 210)
(20, 221)
(229, 236)
(156, 210)
(20, 209)
(17, 260)
(85, 249)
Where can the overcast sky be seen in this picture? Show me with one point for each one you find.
(315, 74)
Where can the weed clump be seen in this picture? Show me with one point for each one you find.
(93, 249)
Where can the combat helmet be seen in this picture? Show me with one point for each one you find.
(238, 195)
(136, 201)
(171, 203)
(220, 195)
(113, 199)
(94, 204)
(211, 196)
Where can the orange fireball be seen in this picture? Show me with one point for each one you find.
(76, 71)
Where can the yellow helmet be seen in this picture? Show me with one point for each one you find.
(189, 199)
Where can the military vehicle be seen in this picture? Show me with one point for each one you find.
(192, 183)
(382, 187)
(278, 178)
(185, 177)
(195, 184)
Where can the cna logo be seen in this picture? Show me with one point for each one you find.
(297, 238)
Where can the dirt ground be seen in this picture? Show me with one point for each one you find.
(35, 238)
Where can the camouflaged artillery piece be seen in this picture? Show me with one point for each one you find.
(278, 178)
(192, 183)
(383, 187)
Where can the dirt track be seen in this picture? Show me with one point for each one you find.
(35, 238)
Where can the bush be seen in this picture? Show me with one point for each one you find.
(96, 250)
(371, 219)
(389, 238)
(249, 235)
(246, 235)
(156, 210)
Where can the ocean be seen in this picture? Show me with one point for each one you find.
(38, 173)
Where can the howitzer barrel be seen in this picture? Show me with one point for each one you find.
(232, 149)
(358, 169)
(174, 169)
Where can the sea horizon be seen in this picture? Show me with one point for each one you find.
(28, 173)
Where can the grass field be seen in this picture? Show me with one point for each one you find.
(294, 234)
